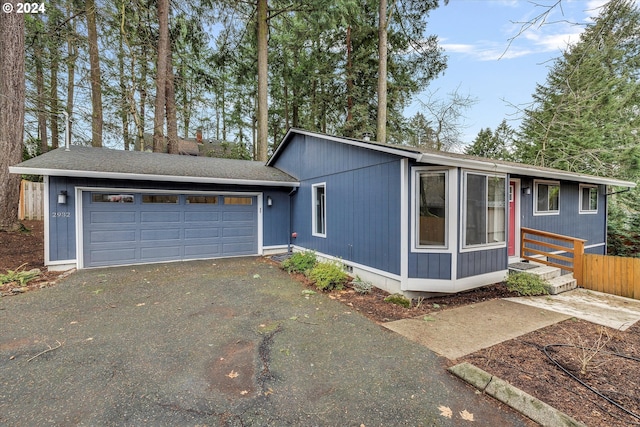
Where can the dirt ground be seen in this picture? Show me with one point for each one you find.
(542, 363)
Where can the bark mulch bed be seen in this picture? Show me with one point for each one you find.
(613, 369)
(611, 358)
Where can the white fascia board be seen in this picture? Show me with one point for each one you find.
(489, 166)
(149, 177)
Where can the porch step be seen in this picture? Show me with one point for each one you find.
(545, 272)
(561, 284)
(552, 275)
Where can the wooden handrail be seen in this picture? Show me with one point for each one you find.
(575, 247)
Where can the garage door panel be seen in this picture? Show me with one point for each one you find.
(155, 217)
(160, 253)
(110, 217)
(191, 251)
(238, 232)
(237, 248)
(111, 236)
(162, 234)
(239, 216)
(201, 217)
(202, 233)
(111, 256)
(130, 233)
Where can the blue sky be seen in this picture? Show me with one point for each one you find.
(475, 36)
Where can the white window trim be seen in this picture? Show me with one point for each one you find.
(463, 211)
(588, 212)
(450, 191)
(314, 219)
(536, 212)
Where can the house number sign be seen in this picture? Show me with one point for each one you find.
(60, 214)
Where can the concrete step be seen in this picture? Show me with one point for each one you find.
(562, 284)
(545, 272)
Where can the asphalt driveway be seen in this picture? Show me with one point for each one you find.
(231, 342)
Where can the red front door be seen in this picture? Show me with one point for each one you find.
(512, 219)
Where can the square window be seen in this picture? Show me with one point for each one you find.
(547, 198)
(588, 199)
(319, 209)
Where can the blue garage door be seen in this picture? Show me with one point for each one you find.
(122, 228)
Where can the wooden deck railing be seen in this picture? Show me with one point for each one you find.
(553, 250)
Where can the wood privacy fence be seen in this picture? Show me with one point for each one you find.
(31, 200)
(612, 275)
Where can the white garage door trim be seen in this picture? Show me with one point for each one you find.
(79, 210)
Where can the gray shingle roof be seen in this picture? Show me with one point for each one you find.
(428, 156)
(107, 163)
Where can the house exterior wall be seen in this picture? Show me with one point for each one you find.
(362, 200)
(591, 227)
(62, 219)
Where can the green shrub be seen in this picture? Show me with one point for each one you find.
(19, 276)
(527, 284)
(300, 262)
(328, 276)
(398, 299)
(361, 286)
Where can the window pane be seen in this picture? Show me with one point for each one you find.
(159, 198)
(238, 200)
(543, 197)
(209, 200)
(111, 198)
(496, 210)
(554, 197)
(593, 199)
(589, 199)
(432, 209)
(319, 197)
(476, 207)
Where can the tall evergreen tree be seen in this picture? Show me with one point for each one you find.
(586, 116)
(493, 144)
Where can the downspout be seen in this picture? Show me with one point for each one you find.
(606, 217)
(292, 193)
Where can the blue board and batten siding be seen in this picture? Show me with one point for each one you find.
(63, 222)
(591, 227)
(362, 200)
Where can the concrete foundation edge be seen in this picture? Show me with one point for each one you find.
(517, 399)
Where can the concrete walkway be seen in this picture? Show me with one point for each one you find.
(460, 331)
(595, 307)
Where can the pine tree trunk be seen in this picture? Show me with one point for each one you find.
(71, 69)
(161, 77)
(381, 128)
(349, 72)
(12, 93)
(53, 101)
(96, 80)
(40, 101)
(172, 118)
(262, 130)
